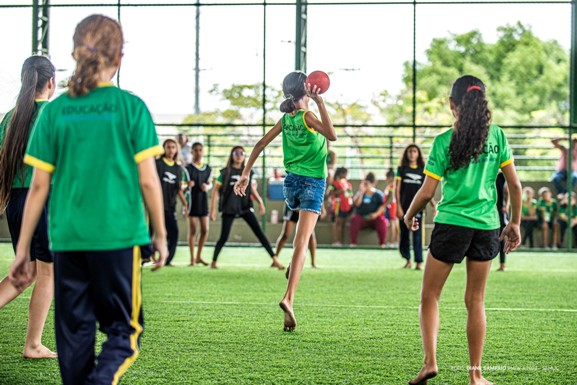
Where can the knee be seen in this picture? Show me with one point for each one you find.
(473, 300)
(203, 231)
(429, 297)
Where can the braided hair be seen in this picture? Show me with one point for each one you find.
(473, 121)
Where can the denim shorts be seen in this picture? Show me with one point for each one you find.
(304, 192)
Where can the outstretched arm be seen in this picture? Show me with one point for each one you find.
(242, 184)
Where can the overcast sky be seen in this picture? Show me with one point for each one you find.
(363, 47)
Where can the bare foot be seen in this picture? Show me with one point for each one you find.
(213, 265)
(424, 375)
(408, 265)
(39, 352)
(418, 267)
(290, 322)
(192, 263)
(314, 266)
(481, 381)
(277, 264)
(201, 261)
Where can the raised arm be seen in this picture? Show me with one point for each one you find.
(325, 124)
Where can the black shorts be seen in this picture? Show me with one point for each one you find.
(39, 248)
(451, 244)
(290, 215)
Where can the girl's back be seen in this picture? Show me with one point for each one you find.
(469, 194)
(93, 143)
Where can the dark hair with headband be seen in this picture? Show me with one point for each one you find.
(36, 73)
(293, 87)
(473, 121)
(98, 45)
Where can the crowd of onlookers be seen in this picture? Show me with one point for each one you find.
(353, 209)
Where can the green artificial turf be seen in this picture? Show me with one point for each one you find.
(357, 323)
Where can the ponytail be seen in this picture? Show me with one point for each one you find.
(36, 72)
(293, 87)
(87, 73)
(288, 106)
(473, 122)
(98, 43)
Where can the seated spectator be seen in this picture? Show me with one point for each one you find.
(563, 218)
(391, 209)
(528, 215)
(561, 176)
(546, 212)
(370, 206)
(341, 192)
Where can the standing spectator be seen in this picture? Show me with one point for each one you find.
(547, 210)
(185, 154)
(528, 215)
(391, 210)
(561, 177)
(563, 218)
(369, 211)
(170, 175)
(341, 192)
(233, 206)
(200, 175)
(410, 176)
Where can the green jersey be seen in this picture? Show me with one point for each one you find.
(546, 210)
(23, 177)
(92, 145)
(527, 207)
(564, 210)
(469, 193)
(304, 149)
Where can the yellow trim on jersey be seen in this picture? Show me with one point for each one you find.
(505, 163)
(168, 162)
(218, 182)
(105, 84)
(306, 125)
(148, 153)
(40, 100)
(434, 176)
(398, 177)
(42, 165)
(135, 313)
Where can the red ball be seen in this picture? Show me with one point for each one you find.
(319, 79)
